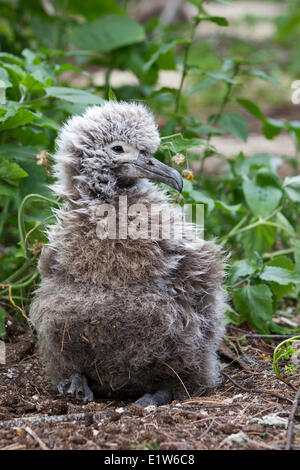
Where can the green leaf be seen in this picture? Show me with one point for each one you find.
(65, 67)
(37, 181)
(231, 208)
(92, 9)
(266, 178)
(108, 33)
(255, 304)
(200, 86)
(15, 73)
(178, 144)
(262, 200)
(236, 124)
(221, 77)
(21, 117)
(47, 123)
(160, 51)
(211, 130)
(219, 20)
(263, 75)
(288, 229)
(18, 152)
(240, 269)
(197, 3)
(259, 239)
(231, 316)
(6, 56)
(194, 195)
(11, 172)
(27, 135)
(73, 95)
(272, 127)
(111, 95)
(260, 160)
(8, 190)
(252, 108)
(280, 275)
(278, 289)
(35, 85)
(291, 186)
(162, 91)
(70, 108)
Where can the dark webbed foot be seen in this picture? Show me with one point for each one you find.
(161, 397)
(77, 387)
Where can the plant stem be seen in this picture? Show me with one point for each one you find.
(26, 281)
(20, 213)
(185, 64)
(287, 251)
(233, 231)
(264, 222)
(225, 100)
(16, 274)
(219, 114)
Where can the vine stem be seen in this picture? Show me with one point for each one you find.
(185, 64)
(219, 114)
(20, 213)
(233, 231)
(37, 226)
(276, 358)
(287, 251)
(15, 274)
(265, 221)
(24, 282)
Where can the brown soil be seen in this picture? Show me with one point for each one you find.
(34, 417)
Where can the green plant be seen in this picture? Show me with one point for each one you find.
(283, 352)
(34, 105)
(249, 210)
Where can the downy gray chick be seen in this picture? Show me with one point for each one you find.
(124, 317)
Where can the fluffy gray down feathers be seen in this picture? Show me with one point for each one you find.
(132, 315)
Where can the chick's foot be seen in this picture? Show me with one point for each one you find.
(161, 397)
(76, 386)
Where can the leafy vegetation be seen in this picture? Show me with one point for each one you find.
(249, 209)
(283, 353)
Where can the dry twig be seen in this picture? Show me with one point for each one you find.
(186, 391)
(277, 337)
(36, 438)
(254, 390)
(223, 349)
(36, 420)
(291, 421)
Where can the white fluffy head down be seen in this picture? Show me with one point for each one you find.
(83, 139)
(130, 122)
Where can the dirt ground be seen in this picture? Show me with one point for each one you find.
(34, 417)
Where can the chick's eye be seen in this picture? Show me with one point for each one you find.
(118, 149)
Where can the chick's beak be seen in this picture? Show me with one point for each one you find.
(146, 166)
